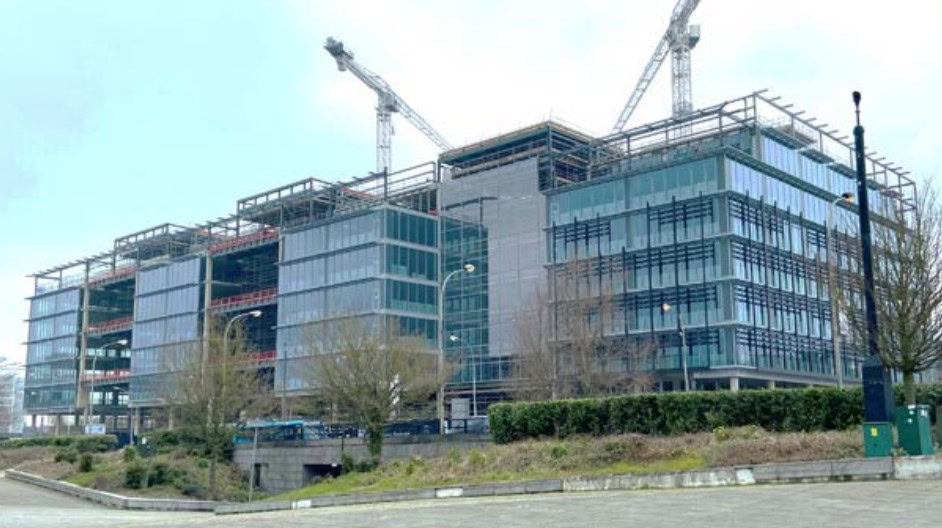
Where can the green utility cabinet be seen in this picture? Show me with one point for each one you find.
(915, 431)
(878, 439)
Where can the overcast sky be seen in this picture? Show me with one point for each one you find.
(118, 116)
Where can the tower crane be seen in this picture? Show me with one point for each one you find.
(679, 39)
(387, 103)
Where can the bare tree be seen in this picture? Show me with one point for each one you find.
(568, 345)
(908, 290)
(372, 376)
(216, 387)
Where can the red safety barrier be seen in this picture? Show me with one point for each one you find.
(115, 375)
(245, 240)
(109, 326)
(258, 357)
(244, 298)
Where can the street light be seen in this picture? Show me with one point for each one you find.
(225, 335)
(91, 384)
(225, 351)
(665, 307)
(225, 338)
(466, 268)
(832, 265)
(474, 379)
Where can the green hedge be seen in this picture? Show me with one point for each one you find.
(82, 444)
(670, 413)
(190, 439)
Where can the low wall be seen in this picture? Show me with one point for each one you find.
(110, 499)
(282, 465)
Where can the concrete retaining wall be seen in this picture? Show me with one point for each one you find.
(110, 499)
(825, 470)
(283, 465)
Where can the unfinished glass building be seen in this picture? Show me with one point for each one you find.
(108, 332)
(723, 216)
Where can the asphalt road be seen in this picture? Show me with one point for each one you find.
(913, 504)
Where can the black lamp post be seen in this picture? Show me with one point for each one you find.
(878, 393)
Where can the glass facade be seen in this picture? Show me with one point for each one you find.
(736, 245)
(379, 265)
(51, 350)
(492, 219)
(166, 326)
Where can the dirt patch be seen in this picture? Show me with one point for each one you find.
(47, 468)
(763, 448)
(10, 458)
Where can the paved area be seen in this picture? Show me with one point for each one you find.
(26, 506)
(912, 504)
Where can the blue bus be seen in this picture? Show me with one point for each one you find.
(280, 431)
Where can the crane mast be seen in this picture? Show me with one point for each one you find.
(387, 103)
(679, 40)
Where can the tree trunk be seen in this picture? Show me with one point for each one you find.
(212, 474)
(374, 439)
(909, 387)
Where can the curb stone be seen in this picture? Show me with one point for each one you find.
(112, 500)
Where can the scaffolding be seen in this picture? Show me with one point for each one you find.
(531, 142)
(717, 126)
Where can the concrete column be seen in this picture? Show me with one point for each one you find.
(58, 424)
(170, 414)
(136, 421)
(207, 300)
(80, 395)
(771, 384)
(734, 384)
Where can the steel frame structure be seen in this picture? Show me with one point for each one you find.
(708, 128)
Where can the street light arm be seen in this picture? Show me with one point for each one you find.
(467, 268)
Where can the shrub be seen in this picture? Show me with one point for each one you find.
(84, 444)
(66, 455)
(415, 462)
(85, 462)
(192, 489)
(559, 451)
(192, 439)
(135, 475)
(129, 455)
(815, 409)
(347, 464)
(366, 466)
(95, 444)
(159, 474)
(477, 459)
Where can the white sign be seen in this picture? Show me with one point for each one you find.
(95, 429)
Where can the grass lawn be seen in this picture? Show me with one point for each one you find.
(591, 456)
